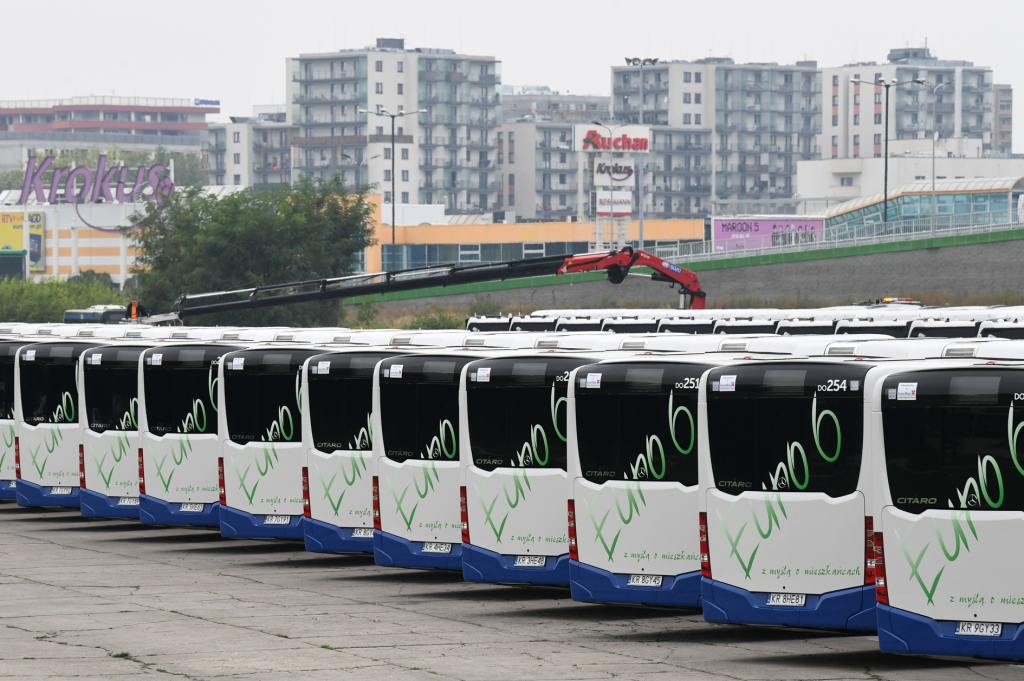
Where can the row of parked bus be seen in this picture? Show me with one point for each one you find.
(853, 482)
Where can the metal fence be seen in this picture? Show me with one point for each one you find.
(877, 233)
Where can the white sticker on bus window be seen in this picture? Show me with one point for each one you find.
(158, 359)
(97, 358)
(396, 371)
(323, 367)
(237, 362)
(892, 393)
(30, 355)
(483, 375)
(593, 380)
(906, 391)
(727, 384)
(854, 386)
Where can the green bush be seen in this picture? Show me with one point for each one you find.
(436, 318)
(25, 301)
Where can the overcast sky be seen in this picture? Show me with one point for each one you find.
(234, 51)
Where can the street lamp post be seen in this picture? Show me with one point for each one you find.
(384, 112)
(611, 190)
(885, 191)
(636, 61)
(935, 138)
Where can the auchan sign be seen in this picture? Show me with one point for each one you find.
(630, 139)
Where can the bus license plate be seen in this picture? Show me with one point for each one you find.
(191, 508)
(436, 547)
(979, 629)
(531, 561)
(644, 580)
(792, 600)
(128, 501)
(60, 490)
(277, 520)
(362, 533)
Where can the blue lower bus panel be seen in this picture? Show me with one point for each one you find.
(394, 551)
(327, 538)
(594, 585)
(154, 511)
(481, 565)
(900, 631)
(845, 609)
(96, 505)
(9, 489)
(235, 523)
(31, 494)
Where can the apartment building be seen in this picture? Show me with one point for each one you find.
(539, 102)
(251, 151)
(545, 179)
(1002, 120)
(131, 123)
(723, 133)
(956, 100)
(444, 155)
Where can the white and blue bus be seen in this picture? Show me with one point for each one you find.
(949, 506)
(178, 426)
(49, 434)
(8, 422)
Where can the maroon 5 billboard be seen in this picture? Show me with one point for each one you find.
(732, 234)
(88, 185)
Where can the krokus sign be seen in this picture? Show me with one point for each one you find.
(85, 185)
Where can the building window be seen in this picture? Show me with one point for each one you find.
(238, 179)
(878, 139)
(236, 137)
(401, 67)
(856, 99)
(696, 117)
(379, 88)
(511, 137)
(387, 153)
(696, 76)
(238, 159)
(835, 120)
(511, 199)
(387, 197)
(405, 154)
(846, 181)
(561, 178)
(400, 89)
(835, 140)
(686, 98)
(686, 119)
(405, 197)
(380, 66)
(878, 119)
(511, 180)
(835, 81)
(835, 100)
(405, 177)
(561, 199)
(511, 156)
(696, 98)
(856, 119)
(686, 76)
(387, 175)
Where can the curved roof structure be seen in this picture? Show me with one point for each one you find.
(961, 186)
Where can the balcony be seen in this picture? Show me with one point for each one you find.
(943, 107)
(483, 122)
(810, 129)
(976, 129)
(442, 77)
(477, 143)
(386, 139)
(554, 144)
(482, 186)
(348, 140)
(974, 107)
(490, 78)
(984, 87)
(682, 146)
(750, 168)
(428, 163)
(327, 98)
(326, 75)
(271, 167)
(556, 210)
(557, 188)
(571, 166)
(432, 141)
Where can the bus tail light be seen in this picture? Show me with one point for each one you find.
(464, 511)
(705, 550)
(305, 493)
(881, 587)
(869, 550)
(17, 458)
(574, 552)
(220, 481)
(81, 466)
(142, 474)
(376, 503)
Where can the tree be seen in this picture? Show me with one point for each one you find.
(196, 243)
(28, 302)
(189, 169)
(12, 179)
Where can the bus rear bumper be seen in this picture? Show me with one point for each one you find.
(31, 494)
(594, 585)
(153, 511)
(900, 631)
(328, 538)
(8, 489)
(844, 609)
(481, 565)
(394, 551)
(235, 523)
(96, 505)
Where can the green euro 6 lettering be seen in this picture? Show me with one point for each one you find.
(65, 411)
(816, 426)
(212, 383)
(672, 424)
(555, 404)
(364, 437)
(1011, 435)
(791, 449)
(439, 443)
(195, 420)
(530, 453)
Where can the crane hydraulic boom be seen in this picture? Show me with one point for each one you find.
(616, 263)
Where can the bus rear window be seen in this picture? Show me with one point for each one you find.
(638, 421)
(419, 400)
(262, 395)
(517, 411)
(49, 382)
(180, 384)
(341, 400)
(950, 437)
(793, 428)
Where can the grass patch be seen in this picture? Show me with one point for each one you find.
(122, 655)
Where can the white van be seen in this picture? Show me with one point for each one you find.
(178, 426)
(48, 445)
(949, 507)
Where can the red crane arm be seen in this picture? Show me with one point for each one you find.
(618, 264)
